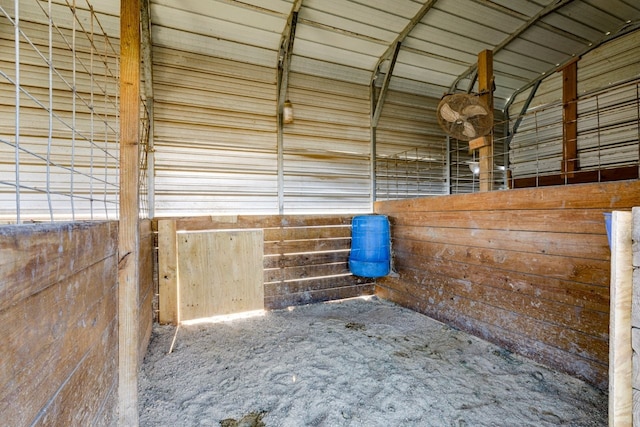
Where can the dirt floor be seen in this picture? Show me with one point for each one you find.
(351, 363)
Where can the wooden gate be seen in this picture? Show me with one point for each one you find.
(214, 272)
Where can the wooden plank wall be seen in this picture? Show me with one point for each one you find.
(58, 316)
(305, 258)
(58, 321)
(147, 286)
(526, 269)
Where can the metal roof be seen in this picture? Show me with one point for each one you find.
(353, 40)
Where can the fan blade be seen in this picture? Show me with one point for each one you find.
(474, 110)
(448, 114)
(469, 130)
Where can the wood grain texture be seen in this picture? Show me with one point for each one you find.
(635, 315)
(58, 359)
(305, 257)
(620, 352)
(635, 262)
(528, 269)
(570, 118)
(147, 285)
(39, 255)
(167, 272)
(220, 272)
(607, 196)
(485, 87)
(129, 229)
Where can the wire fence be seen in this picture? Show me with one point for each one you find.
(452, 169)
(528, 151)
(606, 143)
(59, 81)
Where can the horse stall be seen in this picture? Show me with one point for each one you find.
(181, 185)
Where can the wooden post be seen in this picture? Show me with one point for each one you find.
(129, 236)
(620, 366)
(485, 87)
(635, 315)
(570, 119)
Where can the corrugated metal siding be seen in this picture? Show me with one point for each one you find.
(67, 161)
(215, 135)
(607, 114)
(613, 63)
(327, 148)
(410, 148)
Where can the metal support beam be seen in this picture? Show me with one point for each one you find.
(523, 111)
(282, 85)
(624, 29)
(379, 103)
(524, 27)
(147, 74)
(285, 52)
(402, 35)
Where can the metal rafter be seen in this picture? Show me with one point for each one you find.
(392, 52)
(531, 22)
(625, 29)
(285, 52)
(284, 65)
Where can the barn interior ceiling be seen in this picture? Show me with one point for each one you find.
(430, 47)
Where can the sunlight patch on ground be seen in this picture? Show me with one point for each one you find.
(225, 317)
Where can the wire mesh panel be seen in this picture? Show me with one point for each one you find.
(465, 165)
(416, 172)
(608, 130)
(58, 111)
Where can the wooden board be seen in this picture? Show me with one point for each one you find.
(59, 327)
(533, 263)
(635, 314)
(620, 367)
(219, 273)
(167, 272)
(305, 256)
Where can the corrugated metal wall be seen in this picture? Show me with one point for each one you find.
(216, 131)
(607, 114)
(327, 147)
(214, 135)
(410, 148)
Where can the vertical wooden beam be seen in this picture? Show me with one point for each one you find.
(620, 366)
(129, 236)
(485, 87)
(570, 119)
(635, 315)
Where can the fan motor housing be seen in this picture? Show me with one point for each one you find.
(464, 116)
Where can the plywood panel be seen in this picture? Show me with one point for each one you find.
(220, 273)
(305, 257)
(167, 272)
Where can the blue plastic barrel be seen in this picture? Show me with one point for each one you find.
(607, 224)
(370, 246)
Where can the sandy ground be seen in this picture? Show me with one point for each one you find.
(351, 363)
